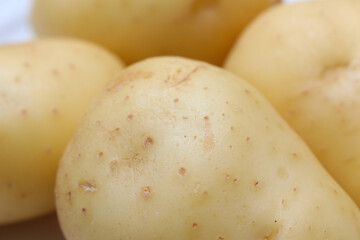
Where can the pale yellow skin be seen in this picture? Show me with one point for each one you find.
(136, 29)
(305, 58)
(44, 90)
(179, 149)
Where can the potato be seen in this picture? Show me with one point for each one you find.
(136, 29)
(179, 149)
(45, 87)
(305, 59)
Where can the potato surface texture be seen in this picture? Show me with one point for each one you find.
(45, 87)
(179, 149)
(136, 29)
(305, 58)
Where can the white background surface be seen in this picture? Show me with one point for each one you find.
(14, 28)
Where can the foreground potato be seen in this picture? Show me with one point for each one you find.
(136, 29)
(305, 58)
(44, 88)
(178, 149)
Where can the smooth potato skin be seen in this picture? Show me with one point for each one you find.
(137, 29)
(179, 149)
(305, 59)
(44, 90)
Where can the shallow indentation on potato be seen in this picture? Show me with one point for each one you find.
(88, 186)
(148, 142)
(146, 192)
(182, 171)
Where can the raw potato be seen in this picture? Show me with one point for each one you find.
(137, 29)
(179, 149)
(305, 58)
(45, 87)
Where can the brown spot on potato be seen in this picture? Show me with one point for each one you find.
(24, 112)
(55, 111)
(256, 183)
(176, 100)
(113, 165)
(72, 66)
(235, 180)
(146, 192)
(221, 238)
(230, 146)
(148, 142)
(100, 154)
(205, 194)
(206, 88)
(17, 79)
(68, 195)
(232, 128)
(48, 151)
(194, 225)
(130, 117)
(182, 171)
(185, 118)
(55, 72)
(83, 210)
(88, 186)
(126, 98)
(227, 177)
(248, 139)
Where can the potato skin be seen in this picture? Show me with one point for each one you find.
(45, 87)
(179, 149)
(309, 71)
(137, 29)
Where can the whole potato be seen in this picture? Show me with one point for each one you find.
(136, 29)
(45, 87)
(179, 149)
(305, 58)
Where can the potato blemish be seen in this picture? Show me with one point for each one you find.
(194, 225)
(148, 142)
(83, 210)
(88, 186)
(146, 192)
(182, 171)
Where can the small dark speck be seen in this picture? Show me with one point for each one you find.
(83, 210)
(68, 195)
(221, 238)
(248, 139)
(256, 183)
(130, 117)
(194, 226)
(126, 98)
(235, 181)
(100, 154)
(230, 146)
(295, 189)
(176, 100)
(223, 114)
(206, 118)
(295, 154)
(227, 102)
(205, 88)
(232, 128)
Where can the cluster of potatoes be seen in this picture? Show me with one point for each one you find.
(209, 138)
